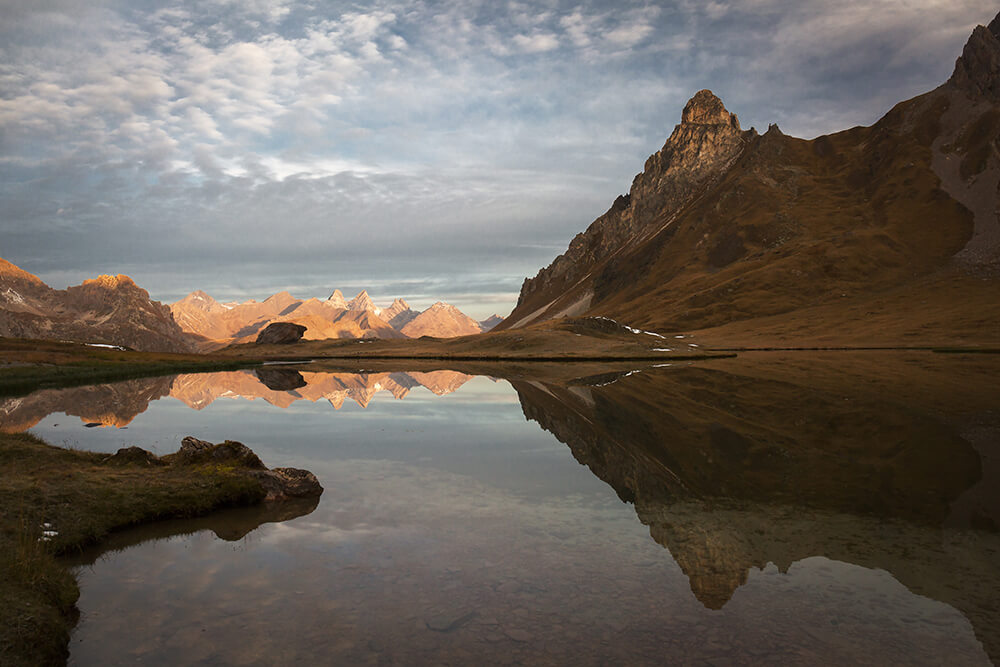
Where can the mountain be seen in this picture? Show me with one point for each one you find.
(886, 233)
(110, 310)
(399, 314)
(224, 324)
(337, 300)
(490, 322)
(442, 320)
(363, 302)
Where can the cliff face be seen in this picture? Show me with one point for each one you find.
(733, 230)
(701, 148)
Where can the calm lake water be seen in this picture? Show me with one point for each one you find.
(770, 509)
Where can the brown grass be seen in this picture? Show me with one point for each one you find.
(82, 499)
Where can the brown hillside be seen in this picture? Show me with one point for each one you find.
(724, 227)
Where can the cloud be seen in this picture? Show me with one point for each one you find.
(444, 144)
(536, 43)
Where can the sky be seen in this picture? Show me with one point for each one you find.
(427, 150)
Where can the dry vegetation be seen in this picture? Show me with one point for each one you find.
(80, 497)
(26, 365)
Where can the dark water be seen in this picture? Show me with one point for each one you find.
(763, 510)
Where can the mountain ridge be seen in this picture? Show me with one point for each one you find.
(724, 227)
(201, 315)
(109, 310)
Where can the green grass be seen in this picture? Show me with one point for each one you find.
(82, 499)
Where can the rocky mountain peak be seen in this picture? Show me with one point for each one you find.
(109, 282)
(361, 302)
(977, 70)
(337, 300)
(200, 300)
(707, 109)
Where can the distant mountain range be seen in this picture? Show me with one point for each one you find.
(113, 310)
(221, 324)
(888, 232)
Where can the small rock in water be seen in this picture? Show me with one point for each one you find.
(448, 622)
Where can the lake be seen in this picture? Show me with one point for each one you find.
(776, 508)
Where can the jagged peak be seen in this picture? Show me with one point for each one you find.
(362, 302)
(977, 70)
(337, 295)
(109, 281)
(704, 108)
(400, 302)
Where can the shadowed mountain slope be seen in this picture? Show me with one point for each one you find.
(725, 226)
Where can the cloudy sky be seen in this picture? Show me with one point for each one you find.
(430, 150)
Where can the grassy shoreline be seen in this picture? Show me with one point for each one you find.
(79, 498)
(27, 365)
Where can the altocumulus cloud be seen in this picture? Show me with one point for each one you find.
(422, 149)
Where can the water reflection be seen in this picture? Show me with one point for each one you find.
(820, 508)
(118, 404)
(736, 466)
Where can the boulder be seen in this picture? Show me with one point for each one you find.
(279, 483)
(281, 333)
(194, 452)
(287, 483)
(133, 456)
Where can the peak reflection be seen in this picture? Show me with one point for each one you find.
(767, 460)
(119, 403)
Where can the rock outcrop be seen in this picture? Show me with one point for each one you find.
(977, 70)
(280, 333)
(278, 483)
(701, 148)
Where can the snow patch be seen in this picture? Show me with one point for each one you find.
(663, 349)
(605, 384)
(693, 345)
(662, 365)
(13, 296)
(105, 345)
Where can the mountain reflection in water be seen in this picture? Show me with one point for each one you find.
(736, 467)
(119, 403)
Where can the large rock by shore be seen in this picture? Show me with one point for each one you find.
(281, 333)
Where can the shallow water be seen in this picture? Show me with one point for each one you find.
(792, 511)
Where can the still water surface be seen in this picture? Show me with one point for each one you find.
(777, 511)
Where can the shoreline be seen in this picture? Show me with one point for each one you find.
(55, 502)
